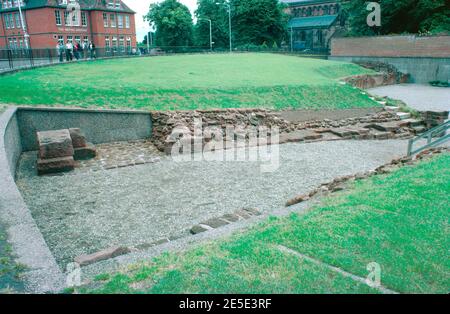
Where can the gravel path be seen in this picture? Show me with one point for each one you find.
(419, 97)
(81, 212)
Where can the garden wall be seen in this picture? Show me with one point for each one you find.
(424, 58)
(99, 126)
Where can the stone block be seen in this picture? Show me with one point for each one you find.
(344, 132)
(78, 138)
(384, 126)
(54, 144)
(112, 252)
(55, 165)
(300, 136)
(199, 229)
(382, 135)
(215, 223)
(84, 153)
(403, 115)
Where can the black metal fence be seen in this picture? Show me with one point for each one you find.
(12, 59)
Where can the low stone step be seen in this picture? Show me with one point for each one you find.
(411, 123)
(403, 115)
(384, 126)
(419, 129)
(392, 108)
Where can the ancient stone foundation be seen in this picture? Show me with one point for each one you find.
(59, 149)
(178, 128)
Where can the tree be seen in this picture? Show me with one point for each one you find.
(258, 21)
(400, 16)
(217, 13)
(174, 26)
(253, 22)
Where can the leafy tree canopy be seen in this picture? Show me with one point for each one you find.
(400, 16)
(216, 11)
(173, 21)
(258, 21)
(253, 22)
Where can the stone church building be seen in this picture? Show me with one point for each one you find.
(314, 22)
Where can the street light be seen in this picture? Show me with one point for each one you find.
(210, 33)
(229, 21)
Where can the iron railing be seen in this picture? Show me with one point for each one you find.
(434, 137)
(11, 59)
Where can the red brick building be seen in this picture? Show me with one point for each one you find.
(108, 23)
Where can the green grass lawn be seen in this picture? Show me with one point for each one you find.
(10, 271)
(400, 221)
(190, 82)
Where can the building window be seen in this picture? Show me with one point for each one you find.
(120, 21)
(78, 39)
(114, 43)
(75, 19)
(128, 44)
(58, 17)
(69, 38)
(17, 18)
(105, 20)
(11, 20)
(122, 44)
(83, 19)
(7, 25)
(66, 18)
(61, 39)
(107, 44)
(113, 20)
(127, 21)
(86, 41)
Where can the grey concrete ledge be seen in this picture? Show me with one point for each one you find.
(42, 274)
(83, 110)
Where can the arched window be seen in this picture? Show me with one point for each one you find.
(308, 12)
(326, 10)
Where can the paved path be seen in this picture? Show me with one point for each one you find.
(83, 212)
(419, 97)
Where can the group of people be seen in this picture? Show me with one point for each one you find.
(75, 50)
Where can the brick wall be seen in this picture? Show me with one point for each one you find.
(392, 46)
(44, 32)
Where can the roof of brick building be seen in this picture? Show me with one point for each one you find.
(84, 4)
(313, 21)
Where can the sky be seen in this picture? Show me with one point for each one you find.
(141, 8)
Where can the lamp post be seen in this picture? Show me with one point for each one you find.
(24, 28)
(229, 21)
(292, 39)
(210, 33)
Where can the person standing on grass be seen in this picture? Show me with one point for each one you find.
(69, 51)
(84, 48)
(92, 50)
(61, 50)
(76, 51)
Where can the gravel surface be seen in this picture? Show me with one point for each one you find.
(80, 213)
(416, 96)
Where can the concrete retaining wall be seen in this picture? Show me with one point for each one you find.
(99, 126)
(421, 70)
(12, 145)
(424, 58)
(42, 274)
